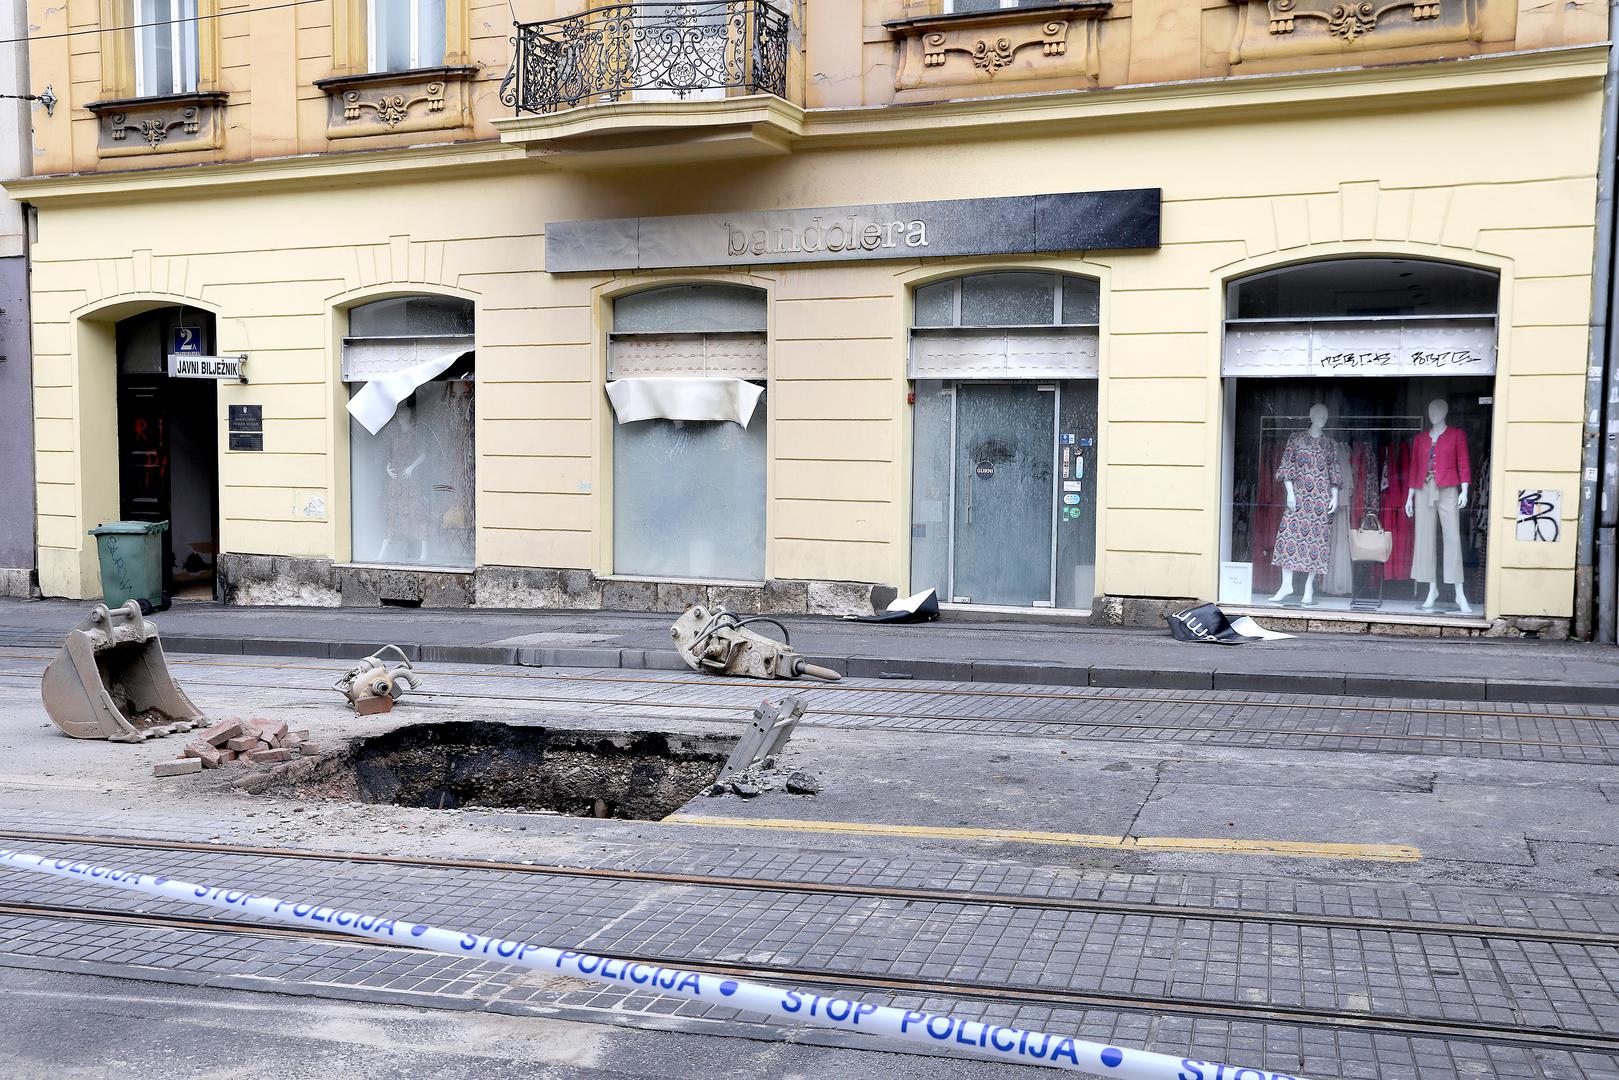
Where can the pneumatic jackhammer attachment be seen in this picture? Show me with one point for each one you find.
(374, 684)
(720, 643)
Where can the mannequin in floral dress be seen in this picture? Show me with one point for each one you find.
(1310, 472)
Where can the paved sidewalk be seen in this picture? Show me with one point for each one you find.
(1472, 669)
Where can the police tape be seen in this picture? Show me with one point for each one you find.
(933, 1029)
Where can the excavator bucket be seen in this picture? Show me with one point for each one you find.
(110, 681)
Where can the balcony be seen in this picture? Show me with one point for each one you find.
(656, 81)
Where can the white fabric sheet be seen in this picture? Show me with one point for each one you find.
(684, 399)
(1245, 626)
(378, 399)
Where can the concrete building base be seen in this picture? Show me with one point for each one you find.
(18, 582)
(285, 581)
(1150, 612)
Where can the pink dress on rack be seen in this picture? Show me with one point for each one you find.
(1398, 568)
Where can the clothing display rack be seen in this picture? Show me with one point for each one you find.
(1286, 425)
(1364, 586)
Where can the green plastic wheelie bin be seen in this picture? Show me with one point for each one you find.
(131, 562)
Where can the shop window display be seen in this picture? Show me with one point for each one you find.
(1366, 491)
(1319, 464)
(410, 369)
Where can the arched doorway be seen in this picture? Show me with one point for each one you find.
(168, 443)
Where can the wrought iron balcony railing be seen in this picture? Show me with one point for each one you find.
(649, 52)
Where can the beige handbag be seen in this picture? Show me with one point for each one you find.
(1371, 542)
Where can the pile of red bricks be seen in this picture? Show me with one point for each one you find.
(239, 742)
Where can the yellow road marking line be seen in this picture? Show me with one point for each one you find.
(1212, 845)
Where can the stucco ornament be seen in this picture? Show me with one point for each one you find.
(383, 103)
(1349, 20)
(1273, 34)
(991, 58)
(991, 54)
(164, 125)
(153, 129)
(392, 109)
(1005, 50)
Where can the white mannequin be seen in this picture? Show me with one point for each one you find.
(1438, 409)
(1318, 424)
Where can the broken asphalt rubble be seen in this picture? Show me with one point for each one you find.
(112, 681)
(758, 752)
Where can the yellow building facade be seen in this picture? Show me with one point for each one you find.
(1095, 419)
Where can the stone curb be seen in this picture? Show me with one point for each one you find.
(1331, 684)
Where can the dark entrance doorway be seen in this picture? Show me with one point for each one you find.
(168, 446)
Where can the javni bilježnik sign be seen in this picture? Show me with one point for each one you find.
(1011, 225)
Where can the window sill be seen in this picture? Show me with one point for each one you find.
(1004, 613)
(727, 582)
(1394, 618)
(167, 124)
(407, 568)
(1065, 9)
(387, 102)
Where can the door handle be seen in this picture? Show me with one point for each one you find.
(969, 496)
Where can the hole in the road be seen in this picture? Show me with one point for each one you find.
(644, 775)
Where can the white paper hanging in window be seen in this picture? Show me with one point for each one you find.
(377, 401)
(1395, 347)
(684, 399)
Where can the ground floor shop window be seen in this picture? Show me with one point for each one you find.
(687, 367)
(1359, 410)
(410, 370)
(1360, 495)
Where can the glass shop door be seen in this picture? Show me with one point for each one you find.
(1005, 494)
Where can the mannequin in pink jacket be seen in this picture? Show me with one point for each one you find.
(1440, 474)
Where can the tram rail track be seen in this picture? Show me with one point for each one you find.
(1203, 731)
(1014, 994)
(1099, 695)
(910, 894)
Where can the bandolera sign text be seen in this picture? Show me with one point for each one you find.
(1013, 225)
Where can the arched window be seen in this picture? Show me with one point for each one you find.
(409, 364)
(1003, 493)
(687, 366)
(1359, 404)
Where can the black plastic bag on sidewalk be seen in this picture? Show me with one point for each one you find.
(1206, 622)
(918, 607)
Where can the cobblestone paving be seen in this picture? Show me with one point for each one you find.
(1394, 901)
(1364, 972)
(369, 973)
(1138, 959)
